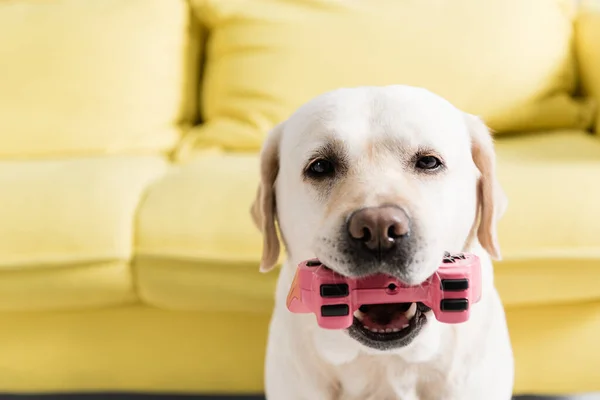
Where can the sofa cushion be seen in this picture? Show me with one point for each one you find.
(131, 350)
(196, 246)
(67, 229)
(508, 61)
(67, 287)
(102, 77)
(588, 50)
(198, 249)
(550, 234)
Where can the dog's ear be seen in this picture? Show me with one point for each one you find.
(263, 209)
(492, 201)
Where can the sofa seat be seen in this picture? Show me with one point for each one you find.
(550, 233)
(66, 236)
(132, 349)
(198, 249)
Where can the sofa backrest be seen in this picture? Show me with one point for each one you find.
(587, 34)
(95, 77)
(509, 61)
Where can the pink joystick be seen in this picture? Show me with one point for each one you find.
(334, 298)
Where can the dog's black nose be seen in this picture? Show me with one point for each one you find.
(378, 227)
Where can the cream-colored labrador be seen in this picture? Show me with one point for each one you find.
(419, 175)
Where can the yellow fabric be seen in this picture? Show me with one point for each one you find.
(182, 284)
(68, 287)
(555, 348)
(588, 50)
(553, 199)
(548, 280)
(146, 349)
(94, 77)
(79, 234)
(202, 210)
(132, 349)
(195, 230)
(509, 61)
(72, 210)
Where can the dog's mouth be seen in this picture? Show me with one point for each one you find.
(387, 326)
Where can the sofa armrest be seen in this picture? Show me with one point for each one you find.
(587, 43)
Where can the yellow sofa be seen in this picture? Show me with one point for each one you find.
(129, 132)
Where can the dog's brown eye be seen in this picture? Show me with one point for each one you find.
(320, 168)
(428, 162)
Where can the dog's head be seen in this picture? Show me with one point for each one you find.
(378, 180)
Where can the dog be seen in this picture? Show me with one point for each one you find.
(382, 180)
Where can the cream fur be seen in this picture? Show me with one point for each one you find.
(456, 210)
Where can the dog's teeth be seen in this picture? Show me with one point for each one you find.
(404, 326)
(410, 313)
(395, 330)
(359, 315)
(388, 330)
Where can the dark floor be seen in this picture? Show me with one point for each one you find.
(118, 396)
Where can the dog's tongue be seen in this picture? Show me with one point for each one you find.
(385, 316)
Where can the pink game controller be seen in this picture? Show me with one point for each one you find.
(334, 298)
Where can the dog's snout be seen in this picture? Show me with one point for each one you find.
(378, 227)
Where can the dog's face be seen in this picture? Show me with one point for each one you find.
(378, 180)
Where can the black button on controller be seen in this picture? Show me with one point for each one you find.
(454, 305)
(334, 290)
(455, 285)
(335, 310)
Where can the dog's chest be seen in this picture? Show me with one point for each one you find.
(386, 378)
(364, 380)
(376, 378)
